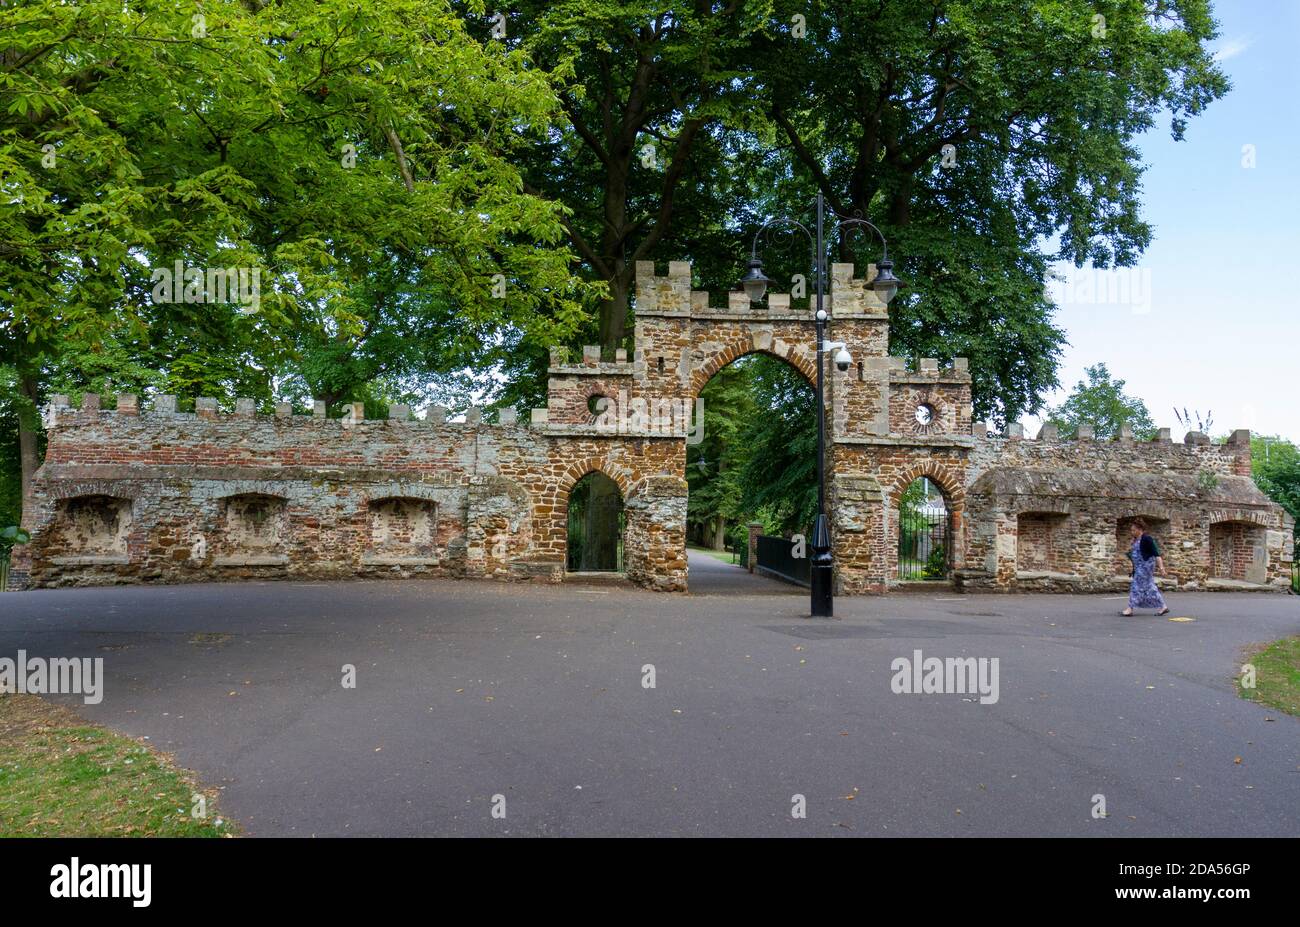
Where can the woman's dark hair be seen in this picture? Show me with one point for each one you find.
(1140, 524)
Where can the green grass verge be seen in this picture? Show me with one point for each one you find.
(1277, 675)
(63, 777)
(725, 556)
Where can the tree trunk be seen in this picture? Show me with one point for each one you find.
(613, 311)
(28, 435)
(900, 205)
(720, 534)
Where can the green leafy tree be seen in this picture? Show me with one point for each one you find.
(986, 138)
(639, 158)
(365, 168)
(1102, 403)
(11, 490)
(1275, 465)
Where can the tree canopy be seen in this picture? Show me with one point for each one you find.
(432, 192)
(1102, 403)
(987, 138)
(364, 169)
(1275, 465)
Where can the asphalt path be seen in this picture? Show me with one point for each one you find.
(540, 695)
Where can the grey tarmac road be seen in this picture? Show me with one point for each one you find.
(466, 690)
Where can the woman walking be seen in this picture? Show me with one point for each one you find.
(1147, 561)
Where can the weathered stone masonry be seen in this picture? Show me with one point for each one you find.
(168, 497)
(133, 495)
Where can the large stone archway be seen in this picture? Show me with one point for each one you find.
(682, 342)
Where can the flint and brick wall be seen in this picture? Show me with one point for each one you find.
(1047, 514)
(150, 495)
(158, 496)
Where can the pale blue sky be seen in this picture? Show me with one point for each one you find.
(1214, 319)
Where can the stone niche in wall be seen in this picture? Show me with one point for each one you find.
(93, 530)
(403, 532)
(1238, 552)
(253, 531)
(1041, 543)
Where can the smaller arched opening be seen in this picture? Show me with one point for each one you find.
(596, 525)
(925, 532)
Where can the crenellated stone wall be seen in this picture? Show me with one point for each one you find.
(138, 494)
(1048, 514)
(127, 495)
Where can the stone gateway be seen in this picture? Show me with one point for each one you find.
(132, 495)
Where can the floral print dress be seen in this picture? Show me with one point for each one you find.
(1142, 592)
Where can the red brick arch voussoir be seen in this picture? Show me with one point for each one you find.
(948, 481)
(742, 346)
(581, 468)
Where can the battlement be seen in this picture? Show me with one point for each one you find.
(926, 371)
(1238, 441)
(671, 295)
(207, 408)
(1123, 453)
(853, 296)
(591, 365)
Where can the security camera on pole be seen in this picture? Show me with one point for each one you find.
(886, 285)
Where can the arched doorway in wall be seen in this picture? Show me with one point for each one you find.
(925, 536)
(596, 523)
(754, 460)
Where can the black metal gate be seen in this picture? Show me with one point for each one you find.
(776, 557)
(924, 551)
(596, 522)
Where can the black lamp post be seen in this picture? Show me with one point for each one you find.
(886, 285)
